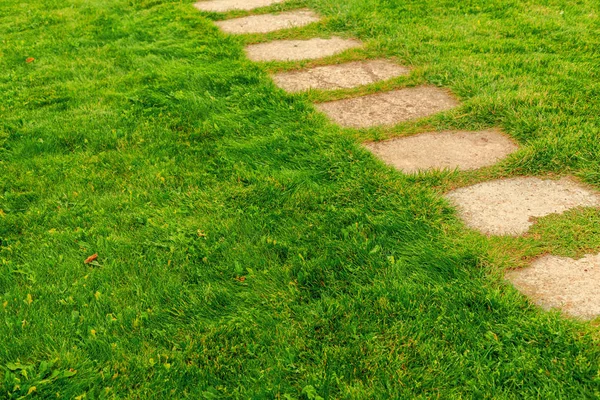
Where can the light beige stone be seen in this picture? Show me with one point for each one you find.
(295, 50)
(507, 206)
(388, 108)
(268, 22)
(341, 76)
(229, 5)
(444, 150)
(564, 283)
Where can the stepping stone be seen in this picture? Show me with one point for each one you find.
(228, 5)
(388, 108)
(294, 50)
(444, 150)
(507, 206)
(561, 282)
(269, 22)
(342, 76)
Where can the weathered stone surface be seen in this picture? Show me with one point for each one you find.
(444, 150)
(561, 282)
(507, 206)
(268, 22)
(228, 5)
(389, 108)
(341, 76)
(295, 50)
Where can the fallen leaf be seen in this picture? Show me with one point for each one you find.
(29, 299)
(31, 390)
(30, 60)
(91, 258)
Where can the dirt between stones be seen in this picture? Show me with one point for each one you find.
(228, 5)
(562, 282)
(268, 22)
(295, 50)
(508, 206)
(340, 76)
(388, 108)
(444, 150)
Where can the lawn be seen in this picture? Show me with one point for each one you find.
(248, 248)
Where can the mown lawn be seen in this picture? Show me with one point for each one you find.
(250, 249)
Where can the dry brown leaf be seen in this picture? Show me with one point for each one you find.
(91, 258)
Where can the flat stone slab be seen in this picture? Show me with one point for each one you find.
(444, 150)
(295, 50)
(508, 206)
(561, 282)
(229, 5)
(388, 108)
(341, 76)
(268, 22)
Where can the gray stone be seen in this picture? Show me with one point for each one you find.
(560, 282)
(444, 150)
(268, 22)
(295, 50)
(508, 206)
(389, 108)
(340, 76)
(229, 5)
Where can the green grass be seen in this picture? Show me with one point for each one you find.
(250, 249)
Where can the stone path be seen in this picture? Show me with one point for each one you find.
(296, 50)
(561, 282)
(340, 76)
(229, 5)
(500, 207)
(268, 23)
(444, 150)
(389, 108)
(509, 206)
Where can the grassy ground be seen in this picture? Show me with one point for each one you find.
(250, 249)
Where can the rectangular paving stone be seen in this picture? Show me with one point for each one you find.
(341, 76)
(388, 108)
(444, 150)
(561, 282)
(508, 206)
(268, 22)
(228, 5)
(295, 50)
